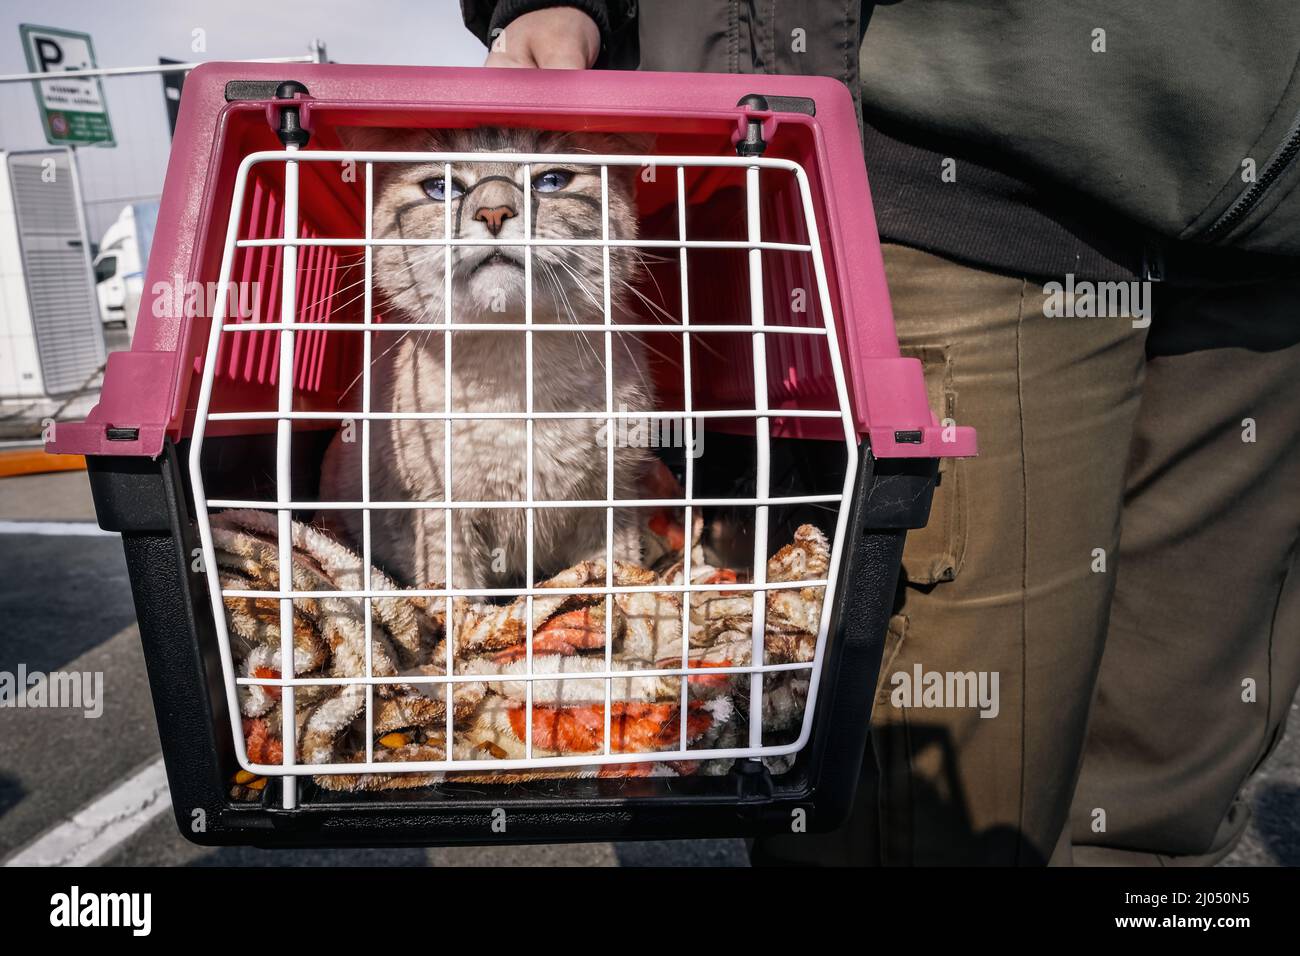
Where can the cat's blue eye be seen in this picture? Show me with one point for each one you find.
(552, 180)
(436, 189)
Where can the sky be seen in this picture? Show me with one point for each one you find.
(137, 32)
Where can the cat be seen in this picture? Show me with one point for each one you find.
(488, 548)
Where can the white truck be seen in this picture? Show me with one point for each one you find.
(119, 264)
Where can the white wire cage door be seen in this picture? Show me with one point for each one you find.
(370, 590)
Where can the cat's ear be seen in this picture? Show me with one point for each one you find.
(640, 144)
(619, 144)
(613, 144)
(383, 138)
(631, 144)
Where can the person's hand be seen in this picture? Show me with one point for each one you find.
(557, 38)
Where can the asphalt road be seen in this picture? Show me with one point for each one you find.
(65, 605)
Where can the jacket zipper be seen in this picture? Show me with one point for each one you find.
(1251, 196)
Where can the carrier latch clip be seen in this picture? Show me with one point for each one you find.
(753, 144)
(290, 128)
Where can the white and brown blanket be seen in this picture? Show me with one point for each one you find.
(489, 710)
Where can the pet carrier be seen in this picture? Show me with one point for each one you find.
(716, 678)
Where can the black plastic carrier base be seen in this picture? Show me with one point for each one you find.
(149, 502)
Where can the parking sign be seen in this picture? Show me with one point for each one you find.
(73, 109)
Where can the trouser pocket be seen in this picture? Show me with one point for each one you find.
(934, 554)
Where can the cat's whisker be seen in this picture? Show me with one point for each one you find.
(657, 310)
(361, 282)
(666, 358)
(641, 259)
(549, 272)
(581, 283)
(374, 360)
(645, 345)
(559, 299)
(651, 256)
(398, 341)
(639, 366)
(349, 261)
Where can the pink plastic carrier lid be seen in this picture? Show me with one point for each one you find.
(147, 389)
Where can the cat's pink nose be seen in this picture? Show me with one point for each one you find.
(494, 218)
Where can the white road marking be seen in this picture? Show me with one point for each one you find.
(101, 826)
(79, 529)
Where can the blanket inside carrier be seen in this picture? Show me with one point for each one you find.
(489, 718)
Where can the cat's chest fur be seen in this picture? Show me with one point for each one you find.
(489, 459)
(489, 454)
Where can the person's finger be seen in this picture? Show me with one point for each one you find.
(566, 57)
(510, 48)
(502, 59)
(559, 38)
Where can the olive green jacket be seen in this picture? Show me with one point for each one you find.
(1180, 118)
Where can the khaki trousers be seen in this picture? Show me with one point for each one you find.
(1122, 556)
